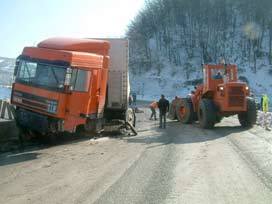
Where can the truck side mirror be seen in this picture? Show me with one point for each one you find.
(16, 67)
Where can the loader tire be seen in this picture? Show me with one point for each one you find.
(206, 114)
(172, 112)
(185, 111)
(248, 118)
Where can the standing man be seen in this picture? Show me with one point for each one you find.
(130, 100)
(262, 102)
(153, 107)
(163, 105)
(134, 99)
(265, 110)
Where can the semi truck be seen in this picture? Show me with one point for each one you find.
(69, 85)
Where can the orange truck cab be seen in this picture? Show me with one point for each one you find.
(68, 84)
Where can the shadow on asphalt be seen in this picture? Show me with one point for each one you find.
(17, 158)
(177, 133)
(24, 152)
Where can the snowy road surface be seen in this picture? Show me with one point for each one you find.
(182, 164)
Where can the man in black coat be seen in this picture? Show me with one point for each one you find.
(163, 106)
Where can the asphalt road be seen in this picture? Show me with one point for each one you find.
(181, 164)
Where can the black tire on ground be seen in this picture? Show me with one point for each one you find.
(90, 126)
(48, 138)
(195, 118)
(206, 114)
(185, 111)
(218, 118)
(172, 112)
(248, 118)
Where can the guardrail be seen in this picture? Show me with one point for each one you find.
(7, 111)
(9, 133)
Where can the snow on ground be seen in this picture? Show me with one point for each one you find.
(150, 85)
(264, 118)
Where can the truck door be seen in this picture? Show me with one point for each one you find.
(78, 103)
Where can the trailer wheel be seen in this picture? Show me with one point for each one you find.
(218, 118)
(130, 117)
(248, 118)
(185, 111)
(206, 114)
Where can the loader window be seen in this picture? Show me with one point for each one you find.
(231, 75)
(217, 74)
(81, 80)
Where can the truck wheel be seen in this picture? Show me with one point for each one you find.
(185, 111)
(248, 118)
(206, 114)
(130, 117)
(90, 126)
(218, 118)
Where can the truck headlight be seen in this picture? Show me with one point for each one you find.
(17, 99)
(247, 88)
(221, 88)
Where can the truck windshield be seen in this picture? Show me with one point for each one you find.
(38, 74)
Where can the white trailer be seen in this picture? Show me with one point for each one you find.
(118, 81)
(118, 88)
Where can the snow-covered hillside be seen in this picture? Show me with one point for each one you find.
(170, 39)
(172, 80)
(6, 71)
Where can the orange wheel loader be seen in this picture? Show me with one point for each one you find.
(220, 95)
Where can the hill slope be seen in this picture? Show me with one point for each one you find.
(170, 39)
(6, 71)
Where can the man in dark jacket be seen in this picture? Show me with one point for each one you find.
(163, 106)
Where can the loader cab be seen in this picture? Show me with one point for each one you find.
(214, 75)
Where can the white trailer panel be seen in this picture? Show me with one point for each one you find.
(118, 82)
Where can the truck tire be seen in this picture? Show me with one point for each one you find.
(218, 118)
(248, 118)
(185, 111)
(206, 114)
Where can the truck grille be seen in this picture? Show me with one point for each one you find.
(35, 102)
(236, 96)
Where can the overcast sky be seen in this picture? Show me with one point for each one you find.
(26, 22)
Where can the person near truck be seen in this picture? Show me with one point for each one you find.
(163, 106)
(153, 107)
(225, 76)
(134, 99)
(265, 107)
(130, 100)
(261, 105)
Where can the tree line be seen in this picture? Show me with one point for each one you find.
(204, 29)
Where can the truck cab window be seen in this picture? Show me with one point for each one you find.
(81, 80)
(27, 71)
